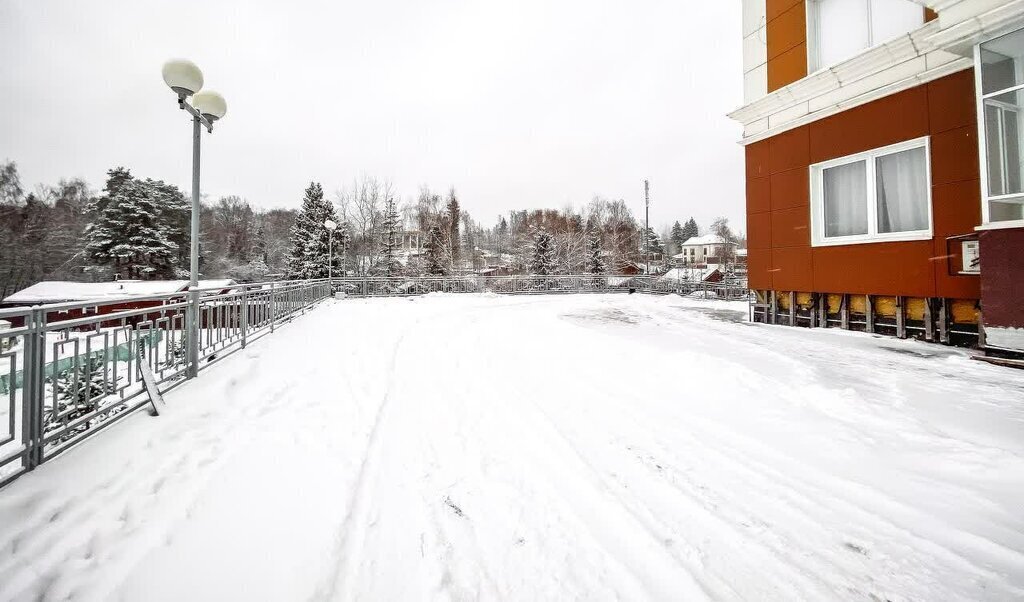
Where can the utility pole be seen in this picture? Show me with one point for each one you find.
(647, 228)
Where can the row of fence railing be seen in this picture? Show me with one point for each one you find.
(69, 370)
(534, 284)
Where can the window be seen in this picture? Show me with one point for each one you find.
(839, 29)
(880, 195)
(1000, 77)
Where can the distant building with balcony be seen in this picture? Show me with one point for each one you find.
(703, 250)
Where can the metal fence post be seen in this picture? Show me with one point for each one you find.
(245, 314)
(271, 307)
(33, 390)
(193, 327)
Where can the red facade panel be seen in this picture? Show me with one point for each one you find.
(790, 189)
(955, 155)
(758, 195)
(788, 150)
(759, 231)
(902, 116)
(790, 228)
(1002, 277)
(792, 270)
(757, 159)
(759, 269)
(951, 102)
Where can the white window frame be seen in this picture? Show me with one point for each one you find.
(814, 34)
(980, 98)
(818, 238)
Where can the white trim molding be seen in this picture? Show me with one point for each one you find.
(939, 48)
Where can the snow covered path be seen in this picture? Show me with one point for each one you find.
(543, 448)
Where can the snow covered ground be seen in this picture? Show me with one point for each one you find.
(543, 448)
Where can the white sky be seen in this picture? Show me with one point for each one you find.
(518, 104)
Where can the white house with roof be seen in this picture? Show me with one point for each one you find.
(710, 248)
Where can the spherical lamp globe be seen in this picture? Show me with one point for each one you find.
(183, 76)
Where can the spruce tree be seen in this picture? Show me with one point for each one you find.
(131, 234)
(452, 209)
(543, 254)
(595, 263)
(435, 253)
(310, 239)
(388, 264)
(678, 237)
(690, 230)
(177, 215)
(654, 242)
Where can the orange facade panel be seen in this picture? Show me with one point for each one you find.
(787, 31)
(757, 159)
(902, 116)
(759, 231)
(788, 150)
(790, 189)
(790, 228)
(792, 269)
(759, 195)
(787, 42)
(788, 67)
(759, 275)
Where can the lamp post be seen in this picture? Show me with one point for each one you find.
(185, 79)
(331, 226)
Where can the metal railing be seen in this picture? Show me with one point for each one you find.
(68, 370)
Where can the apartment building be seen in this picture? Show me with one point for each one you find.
(876, 197)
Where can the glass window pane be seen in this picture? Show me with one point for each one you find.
(1002, 142)
(994, 157)
(845, 199)
(901, 191)
(1001, 62)
(1000, 211)
(892, 18)
(842, 29)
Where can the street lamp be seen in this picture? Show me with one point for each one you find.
(185, 79)
(331, 227)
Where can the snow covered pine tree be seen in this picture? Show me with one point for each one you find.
(309, 236)
(130, 232)
(388, 265)
(595, 263)
(435, 251)
(543, 254)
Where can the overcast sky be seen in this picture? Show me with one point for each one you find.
(518, 104)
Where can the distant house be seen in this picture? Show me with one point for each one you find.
(56, 291)
(708, 273)
(707, 249)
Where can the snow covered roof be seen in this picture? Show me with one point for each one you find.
(55, 291)
(707, 239)
(691, 274)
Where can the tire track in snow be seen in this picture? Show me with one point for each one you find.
(352, 531)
